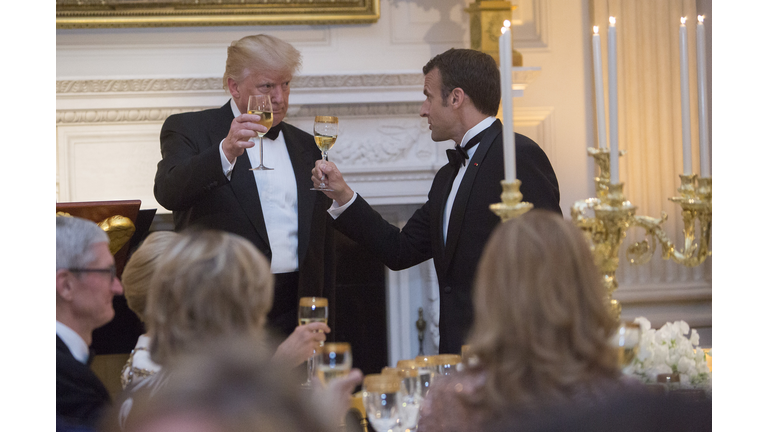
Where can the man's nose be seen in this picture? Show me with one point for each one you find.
(117, 287)
(424, 111)
(277, 94)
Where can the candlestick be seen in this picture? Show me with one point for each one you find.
(701, 68)
(613, 99)
(505, 65)
(599, 98)
(684, 99)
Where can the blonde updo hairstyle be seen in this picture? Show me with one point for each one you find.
(141, 266)
(260, 53)
(209, 284)
(542, 323)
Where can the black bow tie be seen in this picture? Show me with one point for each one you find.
(274, 131)
(457, 156)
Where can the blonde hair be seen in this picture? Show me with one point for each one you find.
(260, 52)
(207, 285)
(229, 385)
(541, 319)
(140, 268)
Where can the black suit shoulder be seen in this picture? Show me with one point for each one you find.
(80, 397)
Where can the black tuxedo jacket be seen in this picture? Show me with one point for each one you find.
(80, 397)
(471, 223)
(190, 181)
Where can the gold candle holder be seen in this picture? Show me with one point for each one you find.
(614, 215)
(512, 204)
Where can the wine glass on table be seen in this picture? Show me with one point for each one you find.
(326, 130)
(382, 399)
(312, 309)
(627, 342)
(410, 393)
(261, 105)
(334, 361)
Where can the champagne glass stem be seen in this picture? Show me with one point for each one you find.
(261, 151)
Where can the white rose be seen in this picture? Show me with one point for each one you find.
(694, 337)
(686, 365)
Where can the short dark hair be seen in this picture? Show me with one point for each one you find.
(474, 72)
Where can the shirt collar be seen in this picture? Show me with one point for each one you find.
(235, 109)
(476, 129)
(73, 341)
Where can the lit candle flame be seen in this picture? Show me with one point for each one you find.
(507, 24)
(612, 20)
(701, 18)
(682, 20)
(596, 29)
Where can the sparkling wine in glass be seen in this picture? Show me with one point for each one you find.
(334, 361)
(627, 342)
(312, 309)
(261, 105)
(382, 398)
(326, 130)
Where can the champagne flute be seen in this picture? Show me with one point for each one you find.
(335, 361)
(410, 393)
(627, 342)
(312, 309)
(382, 399)
(447, 364)
(261, 105)
(326, 130)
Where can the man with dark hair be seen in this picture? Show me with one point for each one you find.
(463, 91)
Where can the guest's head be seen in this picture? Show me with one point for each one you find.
(141, 266)
(85, 276)
(541, 324)
(208, 284)
(225, 386)
(261, 64)
(473, 73)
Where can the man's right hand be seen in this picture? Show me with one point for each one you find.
(242, 129)
(327, 173)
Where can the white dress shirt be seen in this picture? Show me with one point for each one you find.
(278, 197)
(483, 125)
(73, 341)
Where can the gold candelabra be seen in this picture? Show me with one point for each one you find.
(512, 204)
(614, 215)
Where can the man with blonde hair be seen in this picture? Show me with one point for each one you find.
(85, 286)
(204, 177)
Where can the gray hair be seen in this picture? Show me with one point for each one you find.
(74, 240)
(260, 52)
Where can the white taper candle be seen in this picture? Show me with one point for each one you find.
(613, 100)
(508, 133)
(685, 103)
(599, 97)
(701, 68)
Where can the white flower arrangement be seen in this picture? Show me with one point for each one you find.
(668, 350)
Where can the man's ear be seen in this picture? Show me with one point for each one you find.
(234, 88)
(64, 288)
(456, 98)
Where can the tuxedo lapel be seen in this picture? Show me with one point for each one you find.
(302, 160)
(242, 182)
(474, 165)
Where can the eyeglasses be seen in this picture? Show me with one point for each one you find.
(111, 270)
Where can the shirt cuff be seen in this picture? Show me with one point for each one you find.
(225, 165)
(336, 210)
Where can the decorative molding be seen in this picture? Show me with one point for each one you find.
(152, 85)
(139, 85)
(357, 110)
(129, 115)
